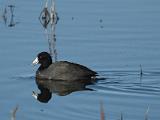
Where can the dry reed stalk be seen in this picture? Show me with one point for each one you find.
(102, 114)
(146, 114)
(13, 113)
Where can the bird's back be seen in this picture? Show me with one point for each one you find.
(66, 71)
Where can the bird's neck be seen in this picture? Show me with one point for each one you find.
(45, 65)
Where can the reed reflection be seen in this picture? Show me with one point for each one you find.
(48, 18)
(60, 87)
(12, 23)
(8, 16)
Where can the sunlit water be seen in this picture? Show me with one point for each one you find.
(112, 37)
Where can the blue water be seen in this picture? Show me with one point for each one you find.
(112, 37)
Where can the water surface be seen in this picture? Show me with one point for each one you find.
(112, 37)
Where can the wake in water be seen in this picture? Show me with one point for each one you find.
(130, 82)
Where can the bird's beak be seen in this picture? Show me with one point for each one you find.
(35, 95)
(35, 61)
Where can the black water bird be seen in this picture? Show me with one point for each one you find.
(61, 70)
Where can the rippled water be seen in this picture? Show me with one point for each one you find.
(111, 37)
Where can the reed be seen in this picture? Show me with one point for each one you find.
(13, 113)
(102, 114)
(141, 70)
(121, 117)
(146, 114)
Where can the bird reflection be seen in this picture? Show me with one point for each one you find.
(59, 87)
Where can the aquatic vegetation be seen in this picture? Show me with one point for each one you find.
(146, 114)
(141, 71)
(13, 113)
(102, 114)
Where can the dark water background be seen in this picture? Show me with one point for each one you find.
(112, 37)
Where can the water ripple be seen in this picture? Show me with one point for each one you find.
(24, 77)
(130, 82)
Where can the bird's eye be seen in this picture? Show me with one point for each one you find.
(40, 57)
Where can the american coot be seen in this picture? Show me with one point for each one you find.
(61, 70)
